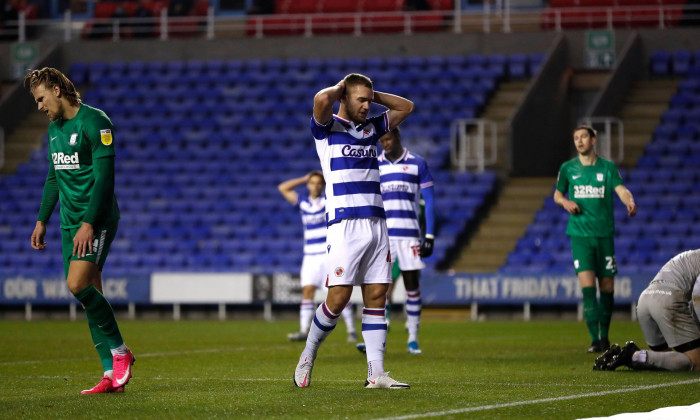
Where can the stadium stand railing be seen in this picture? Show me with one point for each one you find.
(118, 20)
(576, 14)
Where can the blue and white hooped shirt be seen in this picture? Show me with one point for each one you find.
(348, 154)
(313, 217)
(401, 184)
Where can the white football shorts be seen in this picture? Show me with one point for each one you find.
(407, 250)
(358, 252)
(313, 270)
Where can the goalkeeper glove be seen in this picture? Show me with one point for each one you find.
(426, 248)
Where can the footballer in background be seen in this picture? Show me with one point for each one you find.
(313, 216)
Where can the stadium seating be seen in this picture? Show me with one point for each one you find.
(580, 14)
(142, 9)
(663, 183)
(372, 16)
(202, 146)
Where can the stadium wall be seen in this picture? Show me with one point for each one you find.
(542, 120)
(627, 71)
(300, 47)
(15, 104)
(333, 46)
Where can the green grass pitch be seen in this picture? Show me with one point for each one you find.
(243, 369)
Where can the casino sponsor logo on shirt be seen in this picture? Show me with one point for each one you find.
(387, 188)
(588, 191)
(73, 139)
(358, 152)
(106, 137)
(339, 271)
(64, 161)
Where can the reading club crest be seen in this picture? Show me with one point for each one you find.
(339, 271)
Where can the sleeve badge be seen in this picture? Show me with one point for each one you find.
(106, 137)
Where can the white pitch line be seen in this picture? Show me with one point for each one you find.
(538, 401)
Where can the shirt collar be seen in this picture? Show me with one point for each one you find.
(403, 157)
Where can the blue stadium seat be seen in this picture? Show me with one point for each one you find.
(517, 66)
(660, 63)
(225, 100)
(672, 116)
(682, 60)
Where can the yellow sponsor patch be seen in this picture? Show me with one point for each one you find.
(106, 137)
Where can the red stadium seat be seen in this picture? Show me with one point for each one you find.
(548, 19)
(201, 8)
(281, 6)
(274, 26)
(333, 25)
(632, 18)
(427, 23)
(581, 19)
(382, 5)
(638, 2)
(673, 15)
(155, 6)
(105, 10)
(340, 6)
(441, 4)
(31, 11)
(574, 19)
(303, 7)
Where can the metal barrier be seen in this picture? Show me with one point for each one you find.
(468, 141)
(608, 129)
(500, 15)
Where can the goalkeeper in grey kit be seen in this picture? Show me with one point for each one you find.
(668, 320)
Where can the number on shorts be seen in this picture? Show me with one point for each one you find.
(610, 263)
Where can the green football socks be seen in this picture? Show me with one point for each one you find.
(605, 309)
(101, 345)
(590, 312)
(99, 312)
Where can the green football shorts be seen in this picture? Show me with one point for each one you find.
(104, 236)
(594, 254)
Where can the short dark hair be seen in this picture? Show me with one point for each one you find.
(50, 77)
(591, 131)
(353, 79)
(318, 174)
(396, 132)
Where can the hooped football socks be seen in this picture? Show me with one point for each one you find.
(322, 325)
